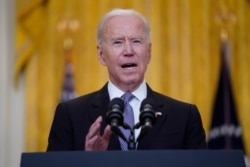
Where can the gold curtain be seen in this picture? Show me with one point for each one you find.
(185, 62)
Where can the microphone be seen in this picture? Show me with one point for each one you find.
(147, 116)
(114, 116)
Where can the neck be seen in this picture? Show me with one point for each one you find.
(128, 87)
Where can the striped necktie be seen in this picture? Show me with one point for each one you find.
(128, 118)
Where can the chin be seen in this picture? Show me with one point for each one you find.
(132, 82)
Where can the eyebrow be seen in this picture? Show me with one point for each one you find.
(131, 38)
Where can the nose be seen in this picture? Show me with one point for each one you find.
(128, 49)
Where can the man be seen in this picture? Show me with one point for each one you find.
(124, 47)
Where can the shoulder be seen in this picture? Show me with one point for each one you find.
(96, 98)
(164, 100)
(172, 106)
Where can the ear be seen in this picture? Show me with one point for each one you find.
(100, 55)
(149, 52)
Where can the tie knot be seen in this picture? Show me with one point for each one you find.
(127, 97)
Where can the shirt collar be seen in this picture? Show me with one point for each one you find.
(140, 93)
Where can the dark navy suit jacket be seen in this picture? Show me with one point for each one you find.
(179, 126)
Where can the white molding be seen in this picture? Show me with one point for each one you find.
(11, 98)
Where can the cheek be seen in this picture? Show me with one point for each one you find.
(112, 56)
(146, 58)
(145, 53)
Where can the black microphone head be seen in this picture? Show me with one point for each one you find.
(116, 103)
(147, 111)
(147, 116)
(114, 116)
(147, 103)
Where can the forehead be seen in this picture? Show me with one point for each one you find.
(128, 24)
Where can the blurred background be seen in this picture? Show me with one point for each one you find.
(41, 39)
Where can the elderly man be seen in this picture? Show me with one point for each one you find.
(124, 47)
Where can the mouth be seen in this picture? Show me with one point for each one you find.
(128, 65)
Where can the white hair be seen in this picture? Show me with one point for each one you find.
(120, 12)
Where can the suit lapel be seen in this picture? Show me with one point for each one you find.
(100, 106)
(160, 119)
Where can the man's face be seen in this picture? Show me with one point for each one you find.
(125, 51)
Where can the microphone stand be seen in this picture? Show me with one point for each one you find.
(131, 140)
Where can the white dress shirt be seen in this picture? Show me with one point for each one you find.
(140, 94)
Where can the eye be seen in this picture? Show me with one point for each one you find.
(117, 42)
(136, 41)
